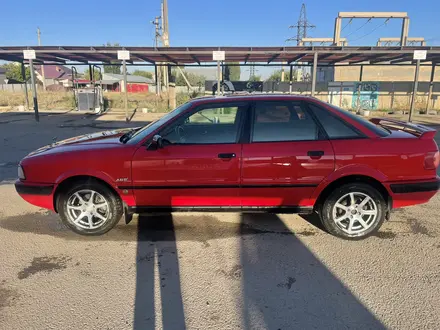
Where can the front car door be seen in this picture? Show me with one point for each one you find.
(199, 165)
(287, 157)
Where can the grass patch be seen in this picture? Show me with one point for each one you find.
(46, 100)
(113, 100)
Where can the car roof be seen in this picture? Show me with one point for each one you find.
(252, 97)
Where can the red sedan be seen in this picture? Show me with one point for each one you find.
(269, 153)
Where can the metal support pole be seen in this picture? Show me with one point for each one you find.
(156, 77)
(165, 76)
(290, 79)
(414, 93)
(392, 96)
(361, 73)
(405, 29)
(169, 77)
(219, 73)
(23, 75)
(124, 72)
(91, 73)
(34, 90)
(315, 66)
(431, 86)
(222, 78)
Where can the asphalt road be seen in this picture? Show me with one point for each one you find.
(205, 271)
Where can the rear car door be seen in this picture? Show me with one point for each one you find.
(287, 157)
(199, 164)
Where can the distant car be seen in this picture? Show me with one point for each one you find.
(255, 153)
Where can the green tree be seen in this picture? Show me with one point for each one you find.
(255, 78)
(142, 73)
(96, 74)
(275, 76)
(13, 71)
(232, 73)
(112, 68)
(195, 80)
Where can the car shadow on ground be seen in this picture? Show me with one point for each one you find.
(282, 288)
(291, 288)
(283, 285)
(151, 254)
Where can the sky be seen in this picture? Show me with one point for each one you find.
(204, 23)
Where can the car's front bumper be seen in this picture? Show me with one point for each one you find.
(36, 193)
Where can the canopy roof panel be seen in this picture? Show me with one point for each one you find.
(198, 55)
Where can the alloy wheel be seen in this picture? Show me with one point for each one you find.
(354, 213)
(88, 209)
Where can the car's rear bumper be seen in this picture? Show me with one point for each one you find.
(412, 193)
(37, 194)
(406, 188)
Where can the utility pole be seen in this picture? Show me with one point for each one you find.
(302, 26)
(42, 66)
(157, 31)
(157, 36)
(165, 38)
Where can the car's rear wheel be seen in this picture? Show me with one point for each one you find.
(90, 208)
(353, 211)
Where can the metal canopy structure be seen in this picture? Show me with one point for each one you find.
(203, 56)
(327, 55)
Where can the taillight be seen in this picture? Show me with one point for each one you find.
(432, 160)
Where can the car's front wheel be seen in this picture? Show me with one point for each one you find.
(90, 208)
(353, 211)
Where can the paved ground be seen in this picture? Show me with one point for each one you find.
(204, 271)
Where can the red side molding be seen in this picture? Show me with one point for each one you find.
(423, 132)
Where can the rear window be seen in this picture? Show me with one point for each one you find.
(335, 127)
(366, 123)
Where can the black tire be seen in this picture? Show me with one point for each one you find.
(326, 212)
(115, 207)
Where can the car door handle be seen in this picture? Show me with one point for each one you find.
(227, 156)
(315, 154)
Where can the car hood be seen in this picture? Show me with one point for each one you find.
(105, 137)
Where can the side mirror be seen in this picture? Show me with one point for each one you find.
(156, 143)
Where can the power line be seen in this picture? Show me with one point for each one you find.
(377, 27)
(349, 22)
(360, 27)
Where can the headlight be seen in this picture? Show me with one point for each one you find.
(21, 175)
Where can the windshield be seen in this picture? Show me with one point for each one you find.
(139, 135)
(366, 123)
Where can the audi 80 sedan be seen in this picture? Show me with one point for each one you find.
(249, 153)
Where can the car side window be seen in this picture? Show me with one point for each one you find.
(212, 124)
(283, 121)
(334, 127)
(214, 116)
